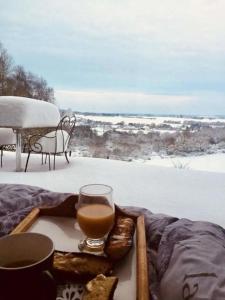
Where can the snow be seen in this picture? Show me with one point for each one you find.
(173, 121)
(21, 112)
(7, 136)
(181, 192)
(208, 162)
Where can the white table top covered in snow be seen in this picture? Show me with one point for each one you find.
(21, 112)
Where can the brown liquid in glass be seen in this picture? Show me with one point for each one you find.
(95, 220)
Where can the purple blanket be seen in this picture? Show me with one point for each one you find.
(186, 259)
(17, 200)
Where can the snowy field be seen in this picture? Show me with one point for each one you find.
(149, 119)
(132, 123)
(210, 162)
(181, 192)
(154, 140)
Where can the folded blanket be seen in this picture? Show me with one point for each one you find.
(186, 259)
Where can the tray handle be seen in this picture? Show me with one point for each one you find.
(142, 264)
(27, 222)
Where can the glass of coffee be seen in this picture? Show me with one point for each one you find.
(95, 216)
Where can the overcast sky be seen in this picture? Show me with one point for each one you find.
(141, 56)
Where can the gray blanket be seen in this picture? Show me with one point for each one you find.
(186, 259)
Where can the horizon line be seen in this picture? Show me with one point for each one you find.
(145, 114)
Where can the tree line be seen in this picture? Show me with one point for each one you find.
(16, 81)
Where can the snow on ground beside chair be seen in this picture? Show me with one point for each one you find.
(196, 195)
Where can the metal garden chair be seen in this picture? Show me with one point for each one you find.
(53, 143)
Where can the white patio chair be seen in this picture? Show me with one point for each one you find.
(54, 142)
(7, 138)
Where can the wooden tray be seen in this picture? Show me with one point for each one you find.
(60, 219)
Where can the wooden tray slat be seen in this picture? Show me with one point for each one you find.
(142, 264)
(27, 222)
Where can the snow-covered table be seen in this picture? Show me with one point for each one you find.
(19, 113)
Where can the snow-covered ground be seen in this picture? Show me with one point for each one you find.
(144, 138)
(130, 123)
(208, 162)
(149, 119)
(181, 192)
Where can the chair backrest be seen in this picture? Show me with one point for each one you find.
(67, 123)
(55, 141)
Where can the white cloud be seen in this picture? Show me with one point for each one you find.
(105, 101)
(139, 45)
(164, 26)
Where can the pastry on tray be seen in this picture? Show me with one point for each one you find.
(80, 266)
(100, 288)
(120, 239)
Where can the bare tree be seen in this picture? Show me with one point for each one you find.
(5, 70)
(40, 89)
(16, 81)
(20, 83)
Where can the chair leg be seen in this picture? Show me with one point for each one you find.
(28, 156)
(42, 160)
(66, 157)
(1, 156)
(54, 163)
(49, 161)
(46, 158)
(24, 147)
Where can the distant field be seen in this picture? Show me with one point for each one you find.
(144, 137)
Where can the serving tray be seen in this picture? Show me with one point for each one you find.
(59, 223)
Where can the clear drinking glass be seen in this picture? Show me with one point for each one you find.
(95, 215)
